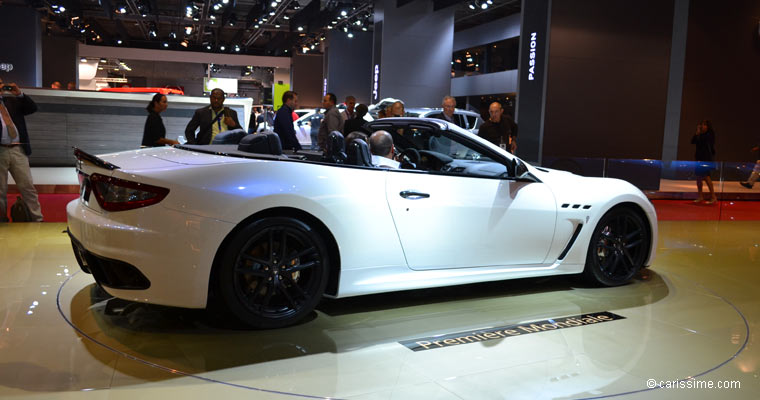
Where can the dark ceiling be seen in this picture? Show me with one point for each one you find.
(255, 27)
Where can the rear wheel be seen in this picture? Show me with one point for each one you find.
(618, 248)
(273, 272)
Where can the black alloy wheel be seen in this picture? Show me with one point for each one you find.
(273, 273)
(618, 249)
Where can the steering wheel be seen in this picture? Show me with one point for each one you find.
(409, 158)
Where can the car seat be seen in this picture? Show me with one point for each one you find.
(335, 152)
(262, 143)
(357, 153)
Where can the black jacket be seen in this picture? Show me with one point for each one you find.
(283, 127)
(456, 121)
(355, 125)
(18, 107)
(154, 130)
(202, 119)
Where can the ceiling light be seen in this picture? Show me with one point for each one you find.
(237, 48)
(225, 1)
(300, 29)
(274, 4)
(208, 47)
(305, 49)
(256, 26)
(350, 35)
(222, 48)
(484, 5)
(277, 26)
(271, 13)
(188, 30)
(184, 43)
(285, 17)
(122, 10)
(166, 44)
(103, 60)
(83, 60)
(343, 13)
(472, 6)
(119, 41)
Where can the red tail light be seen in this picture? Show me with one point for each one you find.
(116, 194)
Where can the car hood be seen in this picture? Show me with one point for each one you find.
(575, 189)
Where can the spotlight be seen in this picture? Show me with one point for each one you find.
(277, 26)
(222, 48)
(184, 43)
(208, 47)
(119, 41)
(472, 6)
(274, 4)
(166, 44)
(173, 35)
(103, 60)
(256, 26)
(237, 49)
(271, 13)
(84, 60)
(305, 49)
(122, 10)
(484, 5)
(300, 29)
(343, 13)
(225, 1)
(350, 35)
(188, 30)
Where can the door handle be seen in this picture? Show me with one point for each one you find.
(409, 194)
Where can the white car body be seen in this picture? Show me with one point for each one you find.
(469, 229)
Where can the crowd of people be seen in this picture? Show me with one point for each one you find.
(217, 124)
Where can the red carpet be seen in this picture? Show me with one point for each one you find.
(54, 209)
(53, 205)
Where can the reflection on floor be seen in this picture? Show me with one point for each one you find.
(692, 314)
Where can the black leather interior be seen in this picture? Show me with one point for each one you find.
(357, 153)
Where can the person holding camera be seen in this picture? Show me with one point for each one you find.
(15, 150)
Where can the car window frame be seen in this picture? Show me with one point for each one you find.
(392, 126)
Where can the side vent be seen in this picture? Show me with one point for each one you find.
(570, 243)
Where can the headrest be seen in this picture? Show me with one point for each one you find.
(335, 143)
(358, 153)
(261, 143)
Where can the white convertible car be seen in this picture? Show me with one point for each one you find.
(264, 235)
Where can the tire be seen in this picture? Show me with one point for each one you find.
(618, 248)
(263, 289)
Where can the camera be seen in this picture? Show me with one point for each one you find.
(7, 88)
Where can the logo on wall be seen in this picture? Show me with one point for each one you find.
(375, 82)
(7, 67)
(532, 56)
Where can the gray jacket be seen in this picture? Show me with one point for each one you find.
(333, 122)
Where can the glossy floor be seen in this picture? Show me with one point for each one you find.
(693, 314)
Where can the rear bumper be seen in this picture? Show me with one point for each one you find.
(153, 254)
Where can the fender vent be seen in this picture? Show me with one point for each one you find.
(570, 243)
(566, 205)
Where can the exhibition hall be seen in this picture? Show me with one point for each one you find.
(379, 199)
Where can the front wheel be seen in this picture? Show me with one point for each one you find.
(618, 248)
(273, 272)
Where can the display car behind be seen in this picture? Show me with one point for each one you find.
(263, 234)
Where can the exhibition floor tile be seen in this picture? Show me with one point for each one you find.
(687, 320)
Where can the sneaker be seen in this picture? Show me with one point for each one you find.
(746, 185)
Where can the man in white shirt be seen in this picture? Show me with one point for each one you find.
(381, 147)
(348, 113)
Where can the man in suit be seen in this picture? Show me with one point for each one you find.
(283, 122)
(212, 120)
(15, 150)
(449, 104)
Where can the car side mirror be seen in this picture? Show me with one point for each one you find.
(520, 169)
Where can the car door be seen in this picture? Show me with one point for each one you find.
(462, 214)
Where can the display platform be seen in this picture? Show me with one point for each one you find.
(688, 320)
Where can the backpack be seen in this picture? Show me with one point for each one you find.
(20, 211)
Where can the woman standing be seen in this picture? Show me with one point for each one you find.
(154, 134)
(704, 155)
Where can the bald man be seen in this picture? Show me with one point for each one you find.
(500, 129)
(381, 147)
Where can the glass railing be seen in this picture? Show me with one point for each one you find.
(666, 179)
